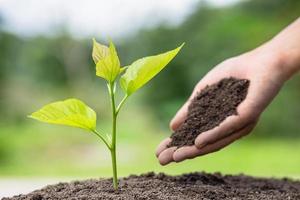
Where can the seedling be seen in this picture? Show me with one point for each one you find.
(75, 113)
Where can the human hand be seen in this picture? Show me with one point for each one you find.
(263, 70)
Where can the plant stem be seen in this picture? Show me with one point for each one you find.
(114, 129)
(102, 138)
(121, 104)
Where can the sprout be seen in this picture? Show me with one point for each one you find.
(73, 112)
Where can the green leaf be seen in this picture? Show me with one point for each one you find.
(71, 112)
(99, 51)
(144, 69)
(123, 69)
(108, 66)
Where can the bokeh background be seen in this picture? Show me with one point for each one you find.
(45, 55)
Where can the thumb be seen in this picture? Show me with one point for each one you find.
(179, 117)
(181, 114)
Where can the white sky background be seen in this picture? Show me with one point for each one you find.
(93, 17)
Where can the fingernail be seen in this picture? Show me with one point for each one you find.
(200, 145)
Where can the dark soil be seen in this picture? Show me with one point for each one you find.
(209, 108)
(160, 186)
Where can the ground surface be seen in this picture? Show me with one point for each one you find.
(160, 186)
(16, 185)
(209, 108)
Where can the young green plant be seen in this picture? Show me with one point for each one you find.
(75, 113)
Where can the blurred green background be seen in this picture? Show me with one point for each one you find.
(40, 69)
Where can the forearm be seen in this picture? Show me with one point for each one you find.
(284, 49)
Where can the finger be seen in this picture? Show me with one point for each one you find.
(228, 126)
(192, 151)
(162, 146)
(210, 148)
(166, 156)
(179, 117)
(185, 152)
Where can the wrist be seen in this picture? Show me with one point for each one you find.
(288, 60)
(286, 49)
(282, 62)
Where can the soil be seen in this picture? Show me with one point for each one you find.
(152, 186)
(209, 108)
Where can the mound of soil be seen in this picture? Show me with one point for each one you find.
(209, 108)
(152, 186)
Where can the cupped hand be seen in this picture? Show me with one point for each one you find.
(266, 79)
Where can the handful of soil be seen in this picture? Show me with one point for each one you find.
(209, 108)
